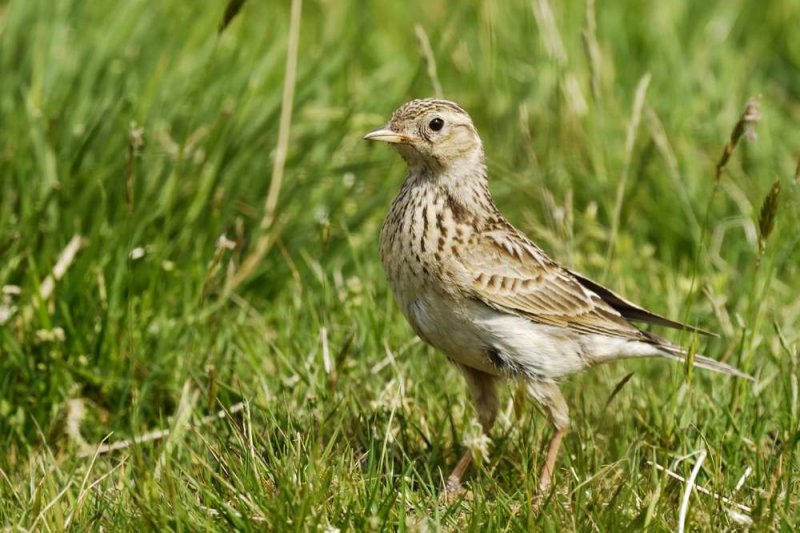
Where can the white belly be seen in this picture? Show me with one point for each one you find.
(448, 328)
(468, 331)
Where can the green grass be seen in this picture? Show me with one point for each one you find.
(159, 341)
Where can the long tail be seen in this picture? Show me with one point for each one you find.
(676, 353)
(701, 361)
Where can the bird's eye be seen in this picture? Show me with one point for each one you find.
(436, 124)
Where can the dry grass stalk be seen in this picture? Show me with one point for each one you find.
(659, 136)
(326, 354)
(702, 490)
(215, 513)
(64, 261)
(75, 413)
(743, 478)
(551, 38)
(690, 485)
(766, 219)
(430, 60)
(630, 141)
(161, 433)
(231, 10)
(740, 515)
(592, 48)
(554, 45)
(744, 126)
(265, 240)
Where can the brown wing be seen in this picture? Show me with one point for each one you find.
(509, 273)
(630, 310)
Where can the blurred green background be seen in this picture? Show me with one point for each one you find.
(140, 134)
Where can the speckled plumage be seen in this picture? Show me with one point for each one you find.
(474, 287)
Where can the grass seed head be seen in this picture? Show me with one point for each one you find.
(769, 210)
(797, 171)
(231, 10)
(744, 126)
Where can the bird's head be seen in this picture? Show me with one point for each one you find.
(433, 137)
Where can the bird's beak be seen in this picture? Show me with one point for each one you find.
(385, 134)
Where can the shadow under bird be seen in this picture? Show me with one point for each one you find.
(477, 289)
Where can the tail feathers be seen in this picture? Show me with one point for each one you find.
(676, 353)
(701, 361)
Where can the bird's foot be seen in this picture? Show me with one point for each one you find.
(547, 492)
(453, 486)
(453, 490)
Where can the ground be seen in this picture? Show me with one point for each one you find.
(189, 224)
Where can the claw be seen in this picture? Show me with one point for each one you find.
(453, 487)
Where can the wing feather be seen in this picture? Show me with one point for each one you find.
(631, 311)
(511, 274)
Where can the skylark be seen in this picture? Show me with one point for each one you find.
(474, 287)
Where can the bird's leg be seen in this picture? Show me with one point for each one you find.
(483, 388)
(550, 397)
(453, 483)
(546, 477)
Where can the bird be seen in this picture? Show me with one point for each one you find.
(478, 290)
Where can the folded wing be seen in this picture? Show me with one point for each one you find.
(630, 310)
(509, 273)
